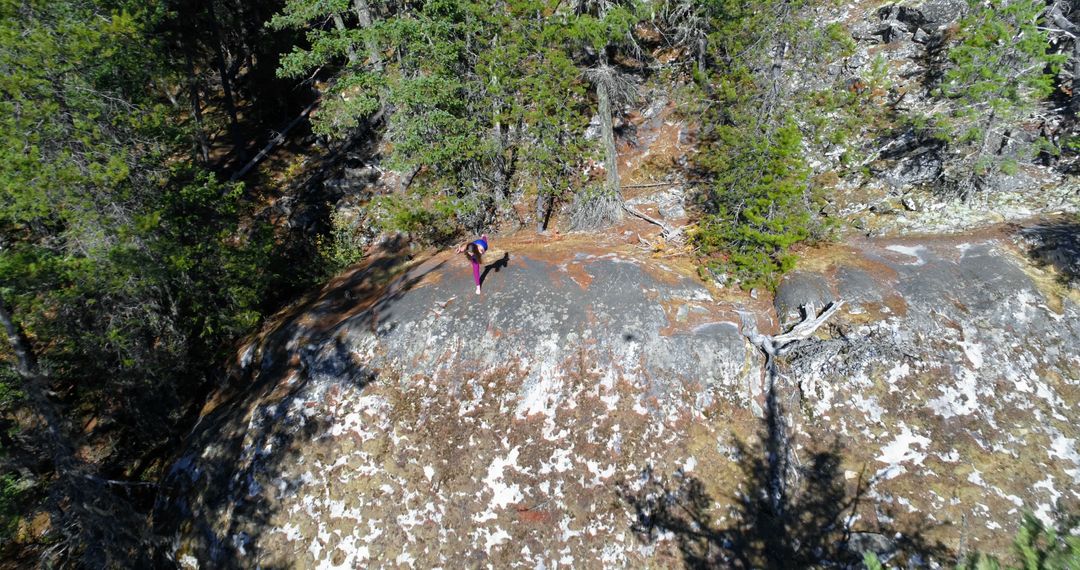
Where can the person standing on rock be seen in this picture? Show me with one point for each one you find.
(474, 251)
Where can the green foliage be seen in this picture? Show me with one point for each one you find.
(610, 26)
(11, 495)
(130, 278)
(220, 274)
(357, 91)
(756, 206)
(1036, 547)
(347, 102)
(1001, 61)
(1071, 144)
(344, 246)
(841, 38)
(836, 118)
(60, 119)
(756, 209)
(479, 90)
(434, 127)
(547, 95)
(1000, 68)
(10, 387)
(879, 68)
(431, 220)
(736, 26)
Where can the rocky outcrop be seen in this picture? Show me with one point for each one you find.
(667, 333)
(597, 406)
(902, 171)
(956, 369)
(927, 15)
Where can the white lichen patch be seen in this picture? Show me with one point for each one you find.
(900, 449)
(503, 494)
(958, 399)
(1065, 448)
(911, 251)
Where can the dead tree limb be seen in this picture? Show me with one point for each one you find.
(277, 139)
(25, 363)
(659, 184)
(780, 450)
(808, 326)
(780, 344)
(670, 233)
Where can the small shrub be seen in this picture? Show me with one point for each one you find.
(840, 37)
(429, 220)
(1036, 547)
(1009, 166)
(344, 246)
(593, 208)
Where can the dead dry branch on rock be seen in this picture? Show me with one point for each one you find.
(670, 233)
(779, 345)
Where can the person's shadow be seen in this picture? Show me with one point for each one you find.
(496, 265)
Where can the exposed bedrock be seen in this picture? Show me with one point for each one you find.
(601, 408)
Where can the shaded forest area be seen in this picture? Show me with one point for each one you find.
(129, 261)
(144, 146)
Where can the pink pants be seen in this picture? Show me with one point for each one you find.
(476, 272)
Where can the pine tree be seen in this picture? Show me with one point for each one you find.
(337, 32)
(1001, 68)
(603, 26)
(123, 272)
(755, 206)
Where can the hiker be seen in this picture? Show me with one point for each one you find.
(473, 251)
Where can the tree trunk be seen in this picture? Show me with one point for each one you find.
(363, 16)
(968, 189)
(37, 395)
(196, 105)
(275, 140)
(702, 48)
(499, 159)
(541, 218)
(340, 25)
(1059, 14)
(776, 73)
(226, 83)
(406, 180)
(503, 164)
(1074, 102)
(25, 363)
(607, 133)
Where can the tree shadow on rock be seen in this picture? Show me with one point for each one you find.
(226, 492)
(782, 515)
(1055, 244)
(365, 294)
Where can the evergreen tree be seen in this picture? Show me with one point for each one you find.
(756, 203)
(603, 26)
(1001, 68)
(337, 33)
(121, 278)
(539, 97)
(474, 92)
